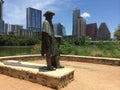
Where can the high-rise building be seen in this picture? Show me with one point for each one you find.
(76, 15)
(103, 32)
(81, 27)
(16, 29)
(26, 33)
(6, 28)
(55, 28)
(1, 17)
(64, 31)
(59, 29)
(34, 19)
(91, 31)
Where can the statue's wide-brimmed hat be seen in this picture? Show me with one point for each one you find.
(49, 13)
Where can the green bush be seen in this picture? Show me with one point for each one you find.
(80, 41)
(65, 48)
(10, 40)
(97, 53)
(36, 49)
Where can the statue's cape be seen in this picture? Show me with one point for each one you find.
(46, 42)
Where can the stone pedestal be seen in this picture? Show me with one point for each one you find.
(37, 73)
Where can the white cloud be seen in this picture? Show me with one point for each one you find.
(85, 15)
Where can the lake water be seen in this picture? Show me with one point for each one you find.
(15, 50)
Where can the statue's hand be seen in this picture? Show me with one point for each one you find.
(42, 54)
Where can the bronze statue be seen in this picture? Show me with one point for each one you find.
(1, 6)
(50, 45)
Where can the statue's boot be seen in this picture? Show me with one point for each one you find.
(49, 65)
(51, 68)
(57, 60)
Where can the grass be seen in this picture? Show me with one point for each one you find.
(99, 49)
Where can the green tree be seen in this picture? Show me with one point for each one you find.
(117, 33)
(11, 40)
(80, 41)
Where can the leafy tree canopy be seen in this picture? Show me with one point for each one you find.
(117, 33)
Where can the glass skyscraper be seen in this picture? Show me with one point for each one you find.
(76, 15)
(34, 19)
(59, 29)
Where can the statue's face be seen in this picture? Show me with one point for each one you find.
(49, 17)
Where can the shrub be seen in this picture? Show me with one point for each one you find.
(36, 49)
(80, 41)
(10, 40)
(66, 48)
(97, 53)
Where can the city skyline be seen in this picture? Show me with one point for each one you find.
(95, 11)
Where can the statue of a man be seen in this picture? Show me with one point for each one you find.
(49, 43)
(1, 6)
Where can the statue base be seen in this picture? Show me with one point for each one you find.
(37, 73)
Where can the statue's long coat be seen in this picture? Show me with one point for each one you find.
(48, 40)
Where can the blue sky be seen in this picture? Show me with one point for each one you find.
(95, 11)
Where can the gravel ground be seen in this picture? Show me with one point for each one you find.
(87, 76)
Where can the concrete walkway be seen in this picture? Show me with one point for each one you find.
(88, 76)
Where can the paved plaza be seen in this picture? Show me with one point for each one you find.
(87, 76)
